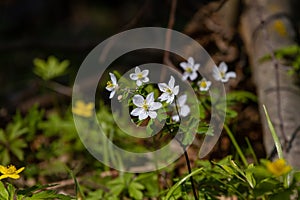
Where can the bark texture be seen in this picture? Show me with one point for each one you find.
(265, 27)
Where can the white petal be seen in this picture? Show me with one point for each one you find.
(152, 114)
(109, 88)
(183, 65)
(145, 72)
(162, 86)
(150, 98)
(196, 67)
(184, 110)
(208, 83)
(143, 115)
(216, 74)
(136, 111)
(225, 79)
(185, 76)
(163, 97)
(193, 76)
(230, 75)
(172, 82)
(203, 88)
(145, 80)
(181, 100)
(175, 118)
(137, 70)
(133, 76)
(191, 60)
(113, 78)
(223, 67)
(170, 98)
(112, 94)
(138, 100)
(155, 106)
(139, 82)
(176, 90)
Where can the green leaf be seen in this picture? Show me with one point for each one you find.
(134, 190)
(2, 136)
(117, 189)
(11, 191)
(282, 195)
(16, 149)
(50, 69)
(3, 192)
(5, 157)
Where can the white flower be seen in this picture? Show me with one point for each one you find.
(112, 85)
(204, 84)
(190, 69)
(140, 76)
(220, 73)
(145, 107)
(183, 109)
(169, 91)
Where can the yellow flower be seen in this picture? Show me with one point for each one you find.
(10, 172)
(278, 167)
(280, 28)
(83, 109)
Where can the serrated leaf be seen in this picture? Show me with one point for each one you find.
(134, 190)
(51, 68)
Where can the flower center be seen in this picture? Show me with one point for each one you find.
(189, 70)
(145, 106)
(140, 75)
(110, 84)
(168, 90)
(11, 170)
(222, 74)
(203, 84)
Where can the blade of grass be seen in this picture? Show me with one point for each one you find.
(174, 187)
(235, 144)
(274, 135)
(251, 150)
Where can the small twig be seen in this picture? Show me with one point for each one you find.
(59, 88)
(64, 183)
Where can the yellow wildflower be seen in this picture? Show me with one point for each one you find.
(280, 28)
(83, 109)
(278, 167)
(10, 172)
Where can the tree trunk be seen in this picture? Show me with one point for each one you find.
(265, 27)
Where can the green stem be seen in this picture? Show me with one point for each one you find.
(190, 171)
(235, 144)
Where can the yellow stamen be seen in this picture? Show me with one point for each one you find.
(109, 84)
(189, 70)
(168, 90)
(140, 76)
(203, 84)
(145, 106)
